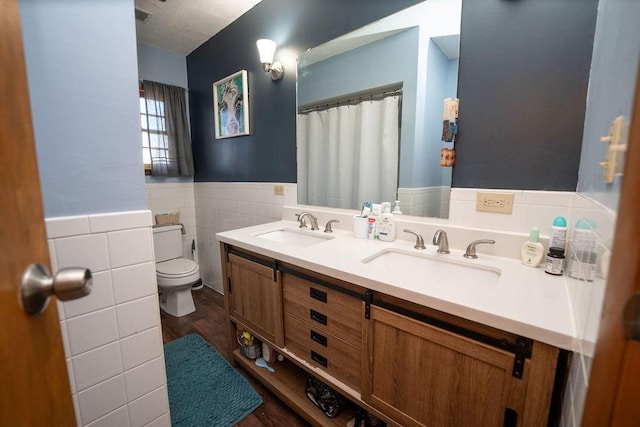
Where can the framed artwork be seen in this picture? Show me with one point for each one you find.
(231, 106)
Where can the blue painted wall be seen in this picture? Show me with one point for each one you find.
(389, 60)
(162, 66)
(614, 71)
(269, 153)
(524, 70)
(82, 73)
(441, 84)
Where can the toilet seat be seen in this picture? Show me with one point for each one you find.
(176, 268)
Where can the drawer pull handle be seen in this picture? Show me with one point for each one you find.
(318, 317)
(319, 295)
(319, 338)
(319, 359)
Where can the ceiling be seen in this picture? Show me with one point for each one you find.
(180, 26)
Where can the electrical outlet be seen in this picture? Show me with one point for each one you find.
(278, 190)
(494, 202)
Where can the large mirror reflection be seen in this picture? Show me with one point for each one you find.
(370, 112)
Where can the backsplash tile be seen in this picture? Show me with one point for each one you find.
(224, 206)
(530, 208)
(118, 248)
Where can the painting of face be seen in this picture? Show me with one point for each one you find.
(231, 106)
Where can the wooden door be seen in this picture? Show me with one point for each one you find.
(255, 298)
(424, 376)
(614, 385)
(34, 385)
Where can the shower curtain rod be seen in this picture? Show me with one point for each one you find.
(353, 99)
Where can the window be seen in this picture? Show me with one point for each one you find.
(166, 144)
(154, 130)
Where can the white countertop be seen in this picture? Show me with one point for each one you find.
(524, 301)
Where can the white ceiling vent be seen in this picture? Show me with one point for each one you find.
(142, 15)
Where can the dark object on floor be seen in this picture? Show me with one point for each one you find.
(204, 390)
(324, 397)
(365, 419)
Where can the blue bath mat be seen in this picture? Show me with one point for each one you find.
(204, 390)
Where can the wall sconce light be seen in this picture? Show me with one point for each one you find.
(266, 49)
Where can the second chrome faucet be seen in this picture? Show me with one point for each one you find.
(440, 240)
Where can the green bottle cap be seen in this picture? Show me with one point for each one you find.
(534, 235)
(559, 221)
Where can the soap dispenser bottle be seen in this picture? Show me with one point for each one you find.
(532, 249)
(387, 225)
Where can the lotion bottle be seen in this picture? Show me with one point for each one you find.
(387, 225)
(532, 249)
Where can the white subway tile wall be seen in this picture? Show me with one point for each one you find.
(425, 201)
(112, 338)
(586, 299)
(225, 206)
(530, 208)
(175, 197)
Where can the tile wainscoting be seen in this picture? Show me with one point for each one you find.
(112, 337)
(586, 299)
(223, 206)
(175, 197)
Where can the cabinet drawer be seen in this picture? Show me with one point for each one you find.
(334, 312)
(323, 350)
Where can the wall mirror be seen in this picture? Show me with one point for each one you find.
(370, 107)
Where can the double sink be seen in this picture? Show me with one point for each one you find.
(403, 263)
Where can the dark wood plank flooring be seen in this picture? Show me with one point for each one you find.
(209, 321)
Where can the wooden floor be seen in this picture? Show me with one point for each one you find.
(209, 321)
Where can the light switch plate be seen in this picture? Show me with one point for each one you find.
(278, 190)
(494, 202)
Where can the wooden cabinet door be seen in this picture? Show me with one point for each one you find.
(421, 375)
(255, 298)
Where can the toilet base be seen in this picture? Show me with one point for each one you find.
(177, 302)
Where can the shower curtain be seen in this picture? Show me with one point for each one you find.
(350, 154)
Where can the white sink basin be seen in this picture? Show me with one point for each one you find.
(293, 237)
(433, 269)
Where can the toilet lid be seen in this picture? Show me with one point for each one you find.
(176, 267)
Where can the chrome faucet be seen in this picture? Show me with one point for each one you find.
(471, 249)
(440, 239)
(419, 240)
(327, 228)
(303, 216)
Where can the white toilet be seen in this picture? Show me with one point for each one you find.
(176, 275)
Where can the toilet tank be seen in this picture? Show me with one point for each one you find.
(167, 242)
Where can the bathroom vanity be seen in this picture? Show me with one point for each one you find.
(414, 337)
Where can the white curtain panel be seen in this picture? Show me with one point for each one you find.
(349, 154)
